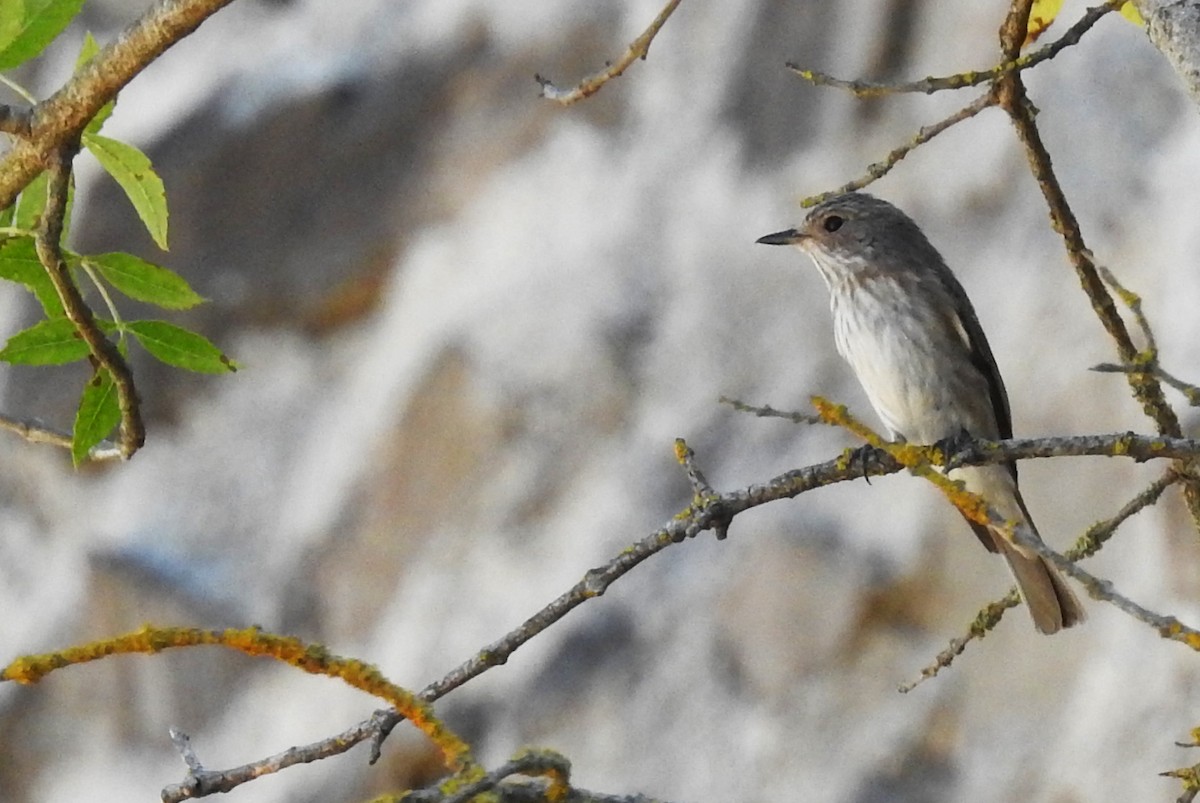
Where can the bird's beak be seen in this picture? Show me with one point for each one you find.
(788, 237)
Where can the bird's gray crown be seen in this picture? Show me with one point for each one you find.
(857, 226)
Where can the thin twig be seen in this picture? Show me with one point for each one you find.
(1190, 392)
(1094, 539)
(1168, 627)
(1134, 302)
(638, 49)
(928, 86)
(768, 411)
(880, 169)
(703, 494)
(36, 432)
(553, 765)
(1148, 360)
(17, 89)
(987, 619)
(49, 250)
(1087, 545)
(183, 743)
(687, 458)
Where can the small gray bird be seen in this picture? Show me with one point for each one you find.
(906, 327)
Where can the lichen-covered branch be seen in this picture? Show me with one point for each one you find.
(880, 169)
(1012, 63)
(1088, 544)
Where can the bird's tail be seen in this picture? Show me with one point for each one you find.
(1051, 602)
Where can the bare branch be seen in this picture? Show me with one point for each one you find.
(534, 762)
(985, 621)
(1134, 302)
(878, 170)
(638, 49)
(183, 743)
(770, 412)
(202, 783)
(36, 432)
(1147, 361)
(1098, 534)
(1191, 392)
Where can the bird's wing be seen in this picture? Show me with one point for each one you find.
(980, 355)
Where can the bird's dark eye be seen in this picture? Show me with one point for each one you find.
(832, 223)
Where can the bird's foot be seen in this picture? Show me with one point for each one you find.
(865, 458)
(957, 449)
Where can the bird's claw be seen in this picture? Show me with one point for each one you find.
(957, 449)
(865, 457)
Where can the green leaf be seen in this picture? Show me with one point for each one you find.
(32, 203)
(177, 346)
(132, 170)
(7, 214)
(1041, 16)
(12, 19)
(19, 263)
(52, 342)
(1129, 11)
(98, 414)
(145, 281)
(30, 26)
(91, 48)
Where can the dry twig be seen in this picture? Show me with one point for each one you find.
(638, 49)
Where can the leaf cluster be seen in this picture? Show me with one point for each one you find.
(26, 27)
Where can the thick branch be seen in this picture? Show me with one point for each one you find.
(49, 250)
(58, 120)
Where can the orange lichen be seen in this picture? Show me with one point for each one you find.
(312, 658)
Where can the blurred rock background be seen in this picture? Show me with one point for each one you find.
(472, 322)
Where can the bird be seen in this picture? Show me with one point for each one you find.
(906, 327)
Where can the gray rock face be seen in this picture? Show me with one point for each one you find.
(472, 322)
